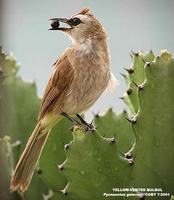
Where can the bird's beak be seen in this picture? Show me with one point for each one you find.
(55, 24)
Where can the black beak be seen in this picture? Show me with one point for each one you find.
(56, 23)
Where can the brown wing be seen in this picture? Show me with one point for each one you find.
(57, 84)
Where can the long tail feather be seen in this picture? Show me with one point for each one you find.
(28, 160)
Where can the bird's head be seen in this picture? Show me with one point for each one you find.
(80, 27)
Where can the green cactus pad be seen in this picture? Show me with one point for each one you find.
(92, 164)
(154, 127)
(110, 124)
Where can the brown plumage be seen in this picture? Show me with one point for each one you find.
(59, 81)
(80, 76)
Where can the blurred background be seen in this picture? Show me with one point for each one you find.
(131, 25)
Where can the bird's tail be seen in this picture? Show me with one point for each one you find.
(28, 160)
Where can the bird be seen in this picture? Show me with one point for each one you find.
(81, 74)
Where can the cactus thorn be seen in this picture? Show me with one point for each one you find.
(148, 64)
(129, 91)
(97, 115)
(124, 111)
(131, 161)
(66, 146)
(65, 190)
(122, 154)
(132, 120)
(151, 51)
(34, 83)
(128, 120)
(134, 53)
(123, 75)
(61, 167)
(130, 70)
(158, 58)
(94, 114)
(113, 140)
(141, 87)
(110, 109)
(39, 171)
(122, 98)
(135, 84)
(131, 55)
(128, 155)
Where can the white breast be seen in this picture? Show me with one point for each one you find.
(92, 74)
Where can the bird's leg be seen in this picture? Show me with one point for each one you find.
(85, 125)
(74, 121)
(89, 126)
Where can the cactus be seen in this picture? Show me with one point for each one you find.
(130, 149)
(19, 106)
(153, 125)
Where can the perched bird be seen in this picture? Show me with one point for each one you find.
(80, 76)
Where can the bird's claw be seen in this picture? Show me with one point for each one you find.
(88, 127)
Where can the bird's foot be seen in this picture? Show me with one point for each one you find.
(88, 127)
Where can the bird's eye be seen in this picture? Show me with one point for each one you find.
(76, 21)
